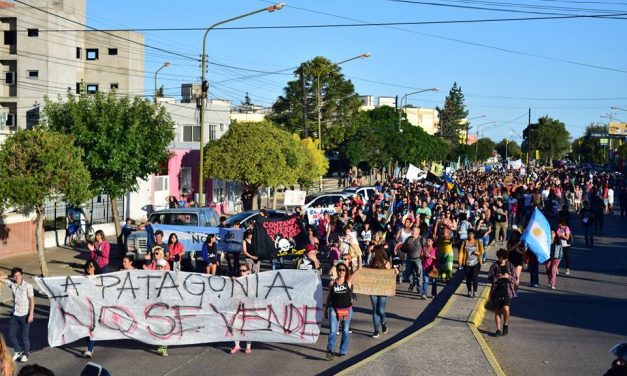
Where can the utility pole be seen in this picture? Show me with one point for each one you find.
(528, 134)
(303, 83)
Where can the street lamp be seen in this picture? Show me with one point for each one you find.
(165, 65)
(477, 140)
(205, 88)
(404, 97)
(468, 128)
(618, 108)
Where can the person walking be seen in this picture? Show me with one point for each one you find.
(516, 256)
(90, 270)
(552, 264)
(429, 269)
(565, 237)
(445, 254)
(501, 276)
(339, 307)
(470, 260)
(412, 247)
(23, 313)
(587, 222)
(100, 251)
(379, 261)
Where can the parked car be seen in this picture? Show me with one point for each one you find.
(245, 218)
(202, 217)
(365, 192)
(324, 200)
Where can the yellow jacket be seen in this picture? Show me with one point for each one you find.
(462, 252)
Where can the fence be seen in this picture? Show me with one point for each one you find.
(97, 210)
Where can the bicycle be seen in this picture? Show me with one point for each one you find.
(84, 233)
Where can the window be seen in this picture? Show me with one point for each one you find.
(191, 133)
(221, 127)
(78, 52)
(33, 32)
(92, 53)
(113, 51)
(92, 88)
(10, 37)
(32, 74)
(9, 78)
(115, 86)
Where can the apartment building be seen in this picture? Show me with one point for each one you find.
(42, 56)
(425, 118)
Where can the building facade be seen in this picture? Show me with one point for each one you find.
(425, 118)
(37, 62)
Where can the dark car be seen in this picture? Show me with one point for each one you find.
(245, 218)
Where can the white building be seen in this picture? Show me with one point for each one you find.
(425, 118)
(36, 62)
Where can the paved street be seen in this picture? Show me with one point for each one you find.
(406, 313)
(569, 331)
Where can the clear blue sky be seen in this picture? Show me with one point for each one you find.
(501, 85)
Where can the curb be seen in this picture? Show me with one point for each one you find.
(400, 342)
(474, 320)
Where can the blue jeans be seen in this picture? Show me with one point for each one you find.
(333, 324)
(413, 272)
(485, 240)
(16, 324)
(534, 275)
(588, 235)
(90, 345)
(425, 284)
(277, 262)
(378, 311)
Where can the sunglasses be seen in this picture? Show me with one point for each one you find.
(243, 270)
(341, 270)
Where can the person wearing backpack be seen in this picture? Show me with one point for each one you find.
(502, 278)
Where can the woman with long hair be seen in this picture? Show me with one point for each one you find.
(379, 261)
(175, 251)
(8, 368)
(248, 250)
(99, 251)
(210, 255)
(516, 255)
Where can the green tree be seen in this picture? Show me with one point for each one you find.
(339, 103)
(485, 148)
(315, 163)
(588, 147)
(36, 165)
(122, 139)
(512, 147)
(280, 160)
(452, 115)
(549, 136)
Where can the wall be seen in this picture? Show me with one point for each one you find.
(17, 234)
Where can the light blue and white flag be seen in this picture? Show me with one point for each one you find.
(537, 236)
(192, 237)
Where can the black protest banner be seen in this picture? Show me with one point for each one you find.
(279, 237)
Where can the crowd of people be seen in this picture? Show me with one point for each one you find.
(414, 227)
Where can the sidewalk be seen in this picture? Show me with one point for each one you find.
(450, 345)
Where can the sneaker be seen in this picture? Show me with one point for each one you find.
(87, 354)
(23, 358)
(567, 271)
(475, 295)
(235, 349)
(375, 335)
(505, 329)
(163, 351)
(330, 355)
(469, 294)
(552, 287)
(423, 297)
(535, 285)
(248, 350)
(497, 333)
(384, 328)
(17, 355)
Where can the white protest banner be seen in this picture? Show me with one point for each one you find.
(294, 198)
(315, 214)
(522, 171)
(414, 173)
(168, 308)
(514, 165)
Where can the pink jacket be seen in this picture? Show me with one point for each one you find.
(100, 254)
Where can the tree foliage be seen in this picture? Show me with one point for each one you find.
(278, 159)
(588, 148)
(379, 142)
(37, 165)
(452, 115)
(122, 139)
(339, 103)
(512, 147)
(549, 136)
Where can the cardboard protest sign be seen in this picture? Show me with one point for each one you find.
(294, 198)
(192, 237)
(381, 282)
(167, 308)
(315, 214)
(279, 237)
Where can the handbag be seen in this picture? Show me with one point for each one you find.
(434, 272)
(343, 313)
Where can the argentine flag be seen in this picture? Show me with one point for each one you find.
(537, 236)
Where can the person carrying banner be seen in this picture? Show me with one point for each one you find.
(244, 271)
(158, 254)
(162, 265)
(502, 278)
(90, 270)
(339, 307)
(379, 261)
(23, 313)
(248, 249)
